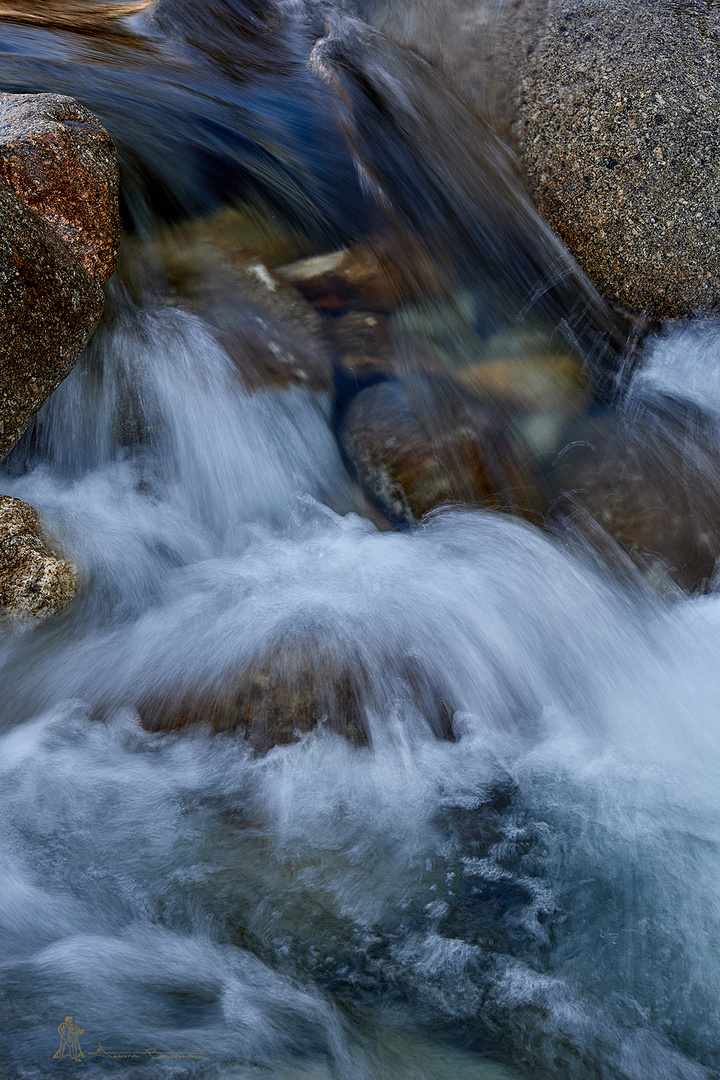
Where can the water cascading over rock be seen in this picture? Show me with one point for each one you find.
(58, 246)
(293, 789)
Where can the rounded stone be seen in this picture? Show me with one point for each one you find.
(294, 688)
(59, 159)
(422, 443)
(647, 479)
(615, 120)
(34, 581)
(272, 334)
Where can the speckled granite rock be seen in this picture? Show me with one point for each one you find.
(34, 581)
(49, 305)
(60, 160)
(616, 125)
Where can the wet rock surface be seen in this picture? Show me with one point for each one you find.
(366, 277)
(292, 691)
(420, 444)
(49, 306)
(363, 334)
(34, 581)
(477, 44)
(392, 456)
(92, 15)
(363, 354)
(536, 392)
(615, 120)
(651, 482)
(272, 334)
(526, 383)
(342, 279)
(58, 158)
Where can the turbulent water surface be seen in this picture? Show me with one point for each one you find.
(537, 896)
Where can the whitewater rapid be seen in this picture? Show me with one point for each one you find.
(541, 889)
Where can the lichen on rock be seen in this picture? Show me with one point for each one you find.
(35, 582)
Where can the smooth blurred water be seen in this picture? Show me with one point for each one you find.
(536, 895)
(543, 889)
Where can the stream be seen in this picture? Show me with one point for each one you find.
(527, 887)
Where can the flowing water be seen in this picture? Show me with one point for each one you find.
(537, 896)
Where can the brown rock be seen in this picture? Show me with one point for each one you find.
(288, 693)
(363, 353)
(92, 15)
(362, 333)
(420, 445)
(392, 456)
(345, 278)
(233, 235)
(58, 158)
(538, 394)
(530, 384)
(34, 581)
(616, 125)
(365, 277)
(48, 307)
(272, 334)
(651, 483)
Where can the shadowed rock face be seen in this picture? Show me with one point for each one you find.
(34, 581)
(650, 481)
(58, 158)
(616, 125)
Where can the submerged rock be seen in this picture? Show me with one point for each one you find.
(363, 354)
(536, 394)
(293, 690)
(363, 334)
(365, 277)
(350, 277)
(59, 159)
(528, 384)
(270, 332)
(616, 125)
(421, 444)
(241, 232)
(392, 456)
(34, 581)
(649, 481)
